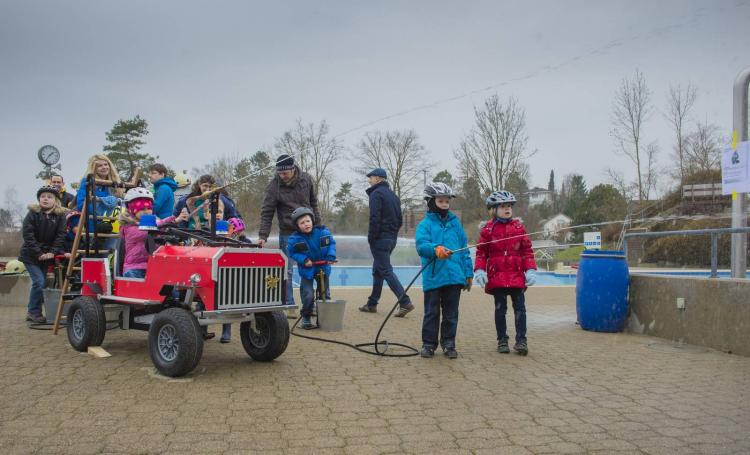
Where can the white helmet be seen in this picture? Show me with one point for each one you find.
(182, 180)
(500, 197)
(138, 193)
(15, 266)
(437, 189)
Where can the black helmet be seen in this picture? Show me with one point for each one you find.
(300, 212)
(437, 189)
(500, 197)
(48, 189)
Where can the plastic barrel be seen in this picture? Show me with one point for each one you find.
(331, 315)
(602, 290)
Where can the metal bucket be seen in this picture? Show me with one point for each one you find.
(51, 299)
(331, 315)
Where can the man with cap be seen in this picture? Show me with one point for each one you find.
(385, 222)
(290, 188)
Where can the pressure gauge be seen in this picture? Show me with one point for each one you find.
(49, 155)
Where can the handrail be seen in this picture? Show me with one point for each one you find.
(714, 233)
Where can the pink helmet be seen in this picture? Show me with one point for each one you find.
(237, 225)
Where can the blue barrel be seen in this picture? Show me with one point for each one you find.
(602, 290)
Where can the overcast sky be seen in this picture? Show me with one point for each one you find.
(221, 77)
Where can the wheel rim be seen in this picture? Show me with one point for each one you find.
(168, 343)
(262, 338)
(79, 330)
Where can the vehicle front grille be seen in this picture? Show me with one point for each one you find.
(247, 287)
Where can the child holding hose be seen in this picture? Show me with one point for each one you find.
(437, 235)
(313, 249)
(505, 266)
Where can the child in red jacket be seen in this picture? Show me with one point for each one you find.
(505, 266)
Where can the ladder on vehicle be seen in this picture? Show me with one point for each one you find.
(92, 239)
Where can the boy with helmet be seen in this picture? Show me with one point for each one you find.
(307, 245)
(138, 202)
(438, 234)
(505, 266)
(43, 238)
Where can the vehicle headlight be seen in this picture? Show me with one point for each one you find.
(195, 279)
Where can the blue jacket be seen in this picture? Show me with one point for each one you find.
(104, 206)
(433, 231)
(318, 245)
(385, 213)
(164, 197)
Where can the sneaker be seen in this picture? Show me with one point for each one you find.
(427, 352)
(368, 309)
(502, 347)
(404, 310)
(450, 353)
(208, 335)
(36, 318)
(306, 323)
(521, 348)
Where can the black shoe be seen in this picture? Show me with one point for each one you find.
(450, 353)
(404, 310)
(427, 352)
(368, 309)
(502, 347)
(521, 348)
(36, 318)
(208, 335)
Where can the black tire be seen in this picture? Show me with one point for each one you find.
(175, 342)
(86, 323)
(272, 339)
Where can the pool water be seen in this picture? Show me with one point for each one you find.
(362, 276)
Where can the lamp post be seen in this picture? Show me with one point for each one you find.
(739, 217)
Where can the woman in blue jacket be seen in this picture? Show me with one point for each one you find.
(108, 198)
(438, 234)
(307, 245)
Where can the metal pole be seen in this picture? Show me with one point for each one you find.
(714, 255)
(739, 218)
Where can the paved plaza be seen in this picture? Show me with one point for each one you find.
(576, 392)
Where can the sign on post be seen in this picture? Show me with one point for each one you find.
(592, 240)
(735, 171)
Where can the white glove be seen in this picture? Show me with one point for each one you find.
(480, 278)
(530, 277)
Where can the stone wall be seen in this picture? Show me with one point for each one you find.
(716, 312)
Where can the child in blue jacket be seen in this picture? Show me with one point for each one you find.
(307, 245)
(438, 234)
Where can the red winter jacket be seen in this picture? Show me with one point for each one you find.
(505, 261)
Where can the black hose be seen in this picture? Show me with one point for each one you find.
(361, 346)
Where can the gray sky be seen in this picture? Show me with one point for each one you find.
(229, 76)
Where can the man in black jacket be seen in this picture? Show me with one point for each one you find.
(385, 222)
(43, 237)
(290, 188)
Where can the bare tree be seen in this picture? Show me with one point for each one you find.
(313, 149)
(496, 145)
(703, 148)
(631, 107)
(14, 208)
(616, 178)
(679, 104)
(651, 174)
(400, 154)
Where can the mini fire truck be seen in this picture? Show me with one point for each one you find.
(186, 289)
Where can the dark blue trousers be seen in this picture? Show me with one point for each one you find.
(382, 270)
(444, 299)
(519, 310)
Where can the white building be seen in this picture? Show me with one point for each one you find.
(538, 196)
(554, 224)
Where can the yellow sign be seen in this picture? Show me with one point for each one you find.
(272, 281)
(734, 140)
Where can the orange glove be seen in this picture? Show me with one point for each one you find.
(467, 287)
(442, 252)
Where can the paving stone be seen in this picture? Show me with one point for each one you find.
(576, 392)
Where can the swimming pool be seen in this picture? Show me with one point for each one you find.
(362, 276)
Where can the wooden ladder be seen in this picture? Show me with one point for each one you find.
(84, 222)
